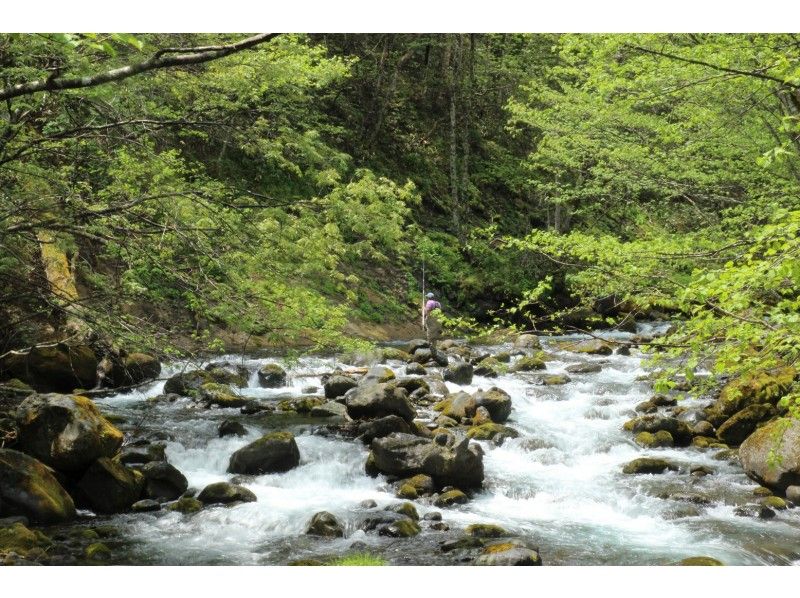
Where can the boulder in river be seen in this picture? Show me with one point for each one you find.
(771, 454)
(187, 383)
(66, 432)
(336, 385)
(56, 367)
(584, 368)
(220, 395)
(766, 386)
(28, 487)
(225, 372)
(510, 553)
(231, 427)
(488, 368)
(492, 431)
(109, 487)
(700, 561)
(134, 368)
(402, 528)
(415, 369)
(329, 409)
(272, 375)
(528, 363)
(383, 426)
(163, 481)
(325, 524)
(527, 341)
(459, 372)
(377, 374)
(739, 426)
(273, 453)
(648, 465)
(593, 346)
(379, 400)
(496, 401)
(141, 452)
(680, 430)
(405, 455)
(458, 406)
(223, 493)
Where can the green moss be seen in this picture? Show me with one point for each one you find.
(25, 542)
(774, 502)
(362, 559)
(451, 497)
(485, 530)
(98, 552)
(490, 431)
(186, 505)
(528, 364)
(407, 491)
(701, 561)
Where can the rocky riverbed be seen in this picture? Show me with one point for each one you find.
(541, 450)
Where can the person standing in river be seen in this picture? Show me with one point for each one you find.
(431, 325)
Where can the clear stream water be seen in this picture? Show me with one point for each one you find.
(559, 485)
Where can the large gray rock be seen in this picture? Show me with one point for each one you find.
(163, 481)
(59, 367)
(272, 375)
(66, 432)
(28, 487)
(496, 401)
(459, 372)
(109, 487)
(739, 426)
(223, 493)
(383, 426)
(273, 453)
(326, 525)
(771, 454)
(405, 455)
(337, 385)
(380, 400)
(133, 369)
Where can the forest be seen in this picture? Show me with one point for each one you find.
(183, 196)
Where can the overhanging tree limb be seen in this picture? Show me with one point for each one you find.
(158, 61)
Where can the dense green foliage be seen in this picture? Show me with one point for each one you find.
(284, 190)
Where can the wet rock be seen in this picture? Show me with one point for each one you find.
(379, 400)
(368, 504)
(774, 502)
(407, 491)
(432, 516)
(376, 519)
(751, 389)
(252, 407)
(66, 432)
(488, 368)
(459, 373)
(485, 530)
(780, 438)
(682, 511)
(527, 364)
(793, 495)
(508, 554)
(414, 345)
(224, 372)
(739, 426)
(491, 431)
(422, 356)
(496, 401)
(302, 405)
(377, 374)
(231, 428)
(185, 505)
(700, 561)
(405, 455)
(458, 406)
(700, 471)
(660, 439)
(59, 367)
(762, 491)
(187, 383)
(390, 354)
(554, 379)
(450, 498)
(704, 428)
(527, 341)
(329, 409)
(680, 430)
(404, 528)
(645, 465)
(404, 508)
(584, 368)
(338, 385)
(142, 452)
(690, 497)
(223, 493)
(97, 552)
(133, 368)
(326, 525)
(590, 347)
(645, 407)
(271, 375)
(275, 452)
(109, 487)
(28, 487)
(465, 542)
(754, 511)
(482, 416)
(503, 357)
(145, 506)
(221, 395)
(422, 484)
(383, 426)
(163, 481)
(27, 544)
(623, 350)
(415, 369)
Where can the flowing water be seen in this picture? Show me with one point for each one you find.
(558, 486)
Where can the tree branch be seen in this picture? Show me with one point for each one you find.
(158, 61)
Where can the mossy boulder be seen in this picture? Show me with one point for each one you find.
(220, 395)
(680, 430)
(407, 491)
(271, 375)
(274, 453)
(765, 386)
(302, 405)
(738, 427)
(186, 505)
(450, 498)
(337, 385)
(225, 372)
(701, 561)
(660, 439)
(66, 432)
(488, 368)
(422, 484)
(413, 384)
(58, 367)
(134, 368)
(163, 481)
(584, 368)
(326, 525)
(648, 465)
(458, 406)
(527, 341)
(378, 374)
(589, 347)
(379, 400)
(496, 401)
(528, 363)
(485, 530)
(460, 373)
(109, 487)
(403, 528)
(231, 428)
(415, 369)
(26, 543)
(98, 551)
(554, 379)
(223, 493)
(774, 502)
(329, 409)
(29, 488)
(391, 353)
(187, 383)
(404, 508)
(491, 431)
(508, 554)
(771, 454)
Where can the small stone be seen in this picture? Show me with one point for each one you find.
(432, 516)
(145, 506)
(98, 552)
(368, 504)
(757, 511)
(451, 497)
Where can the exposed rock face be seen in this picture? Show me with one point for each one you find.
(59, 367)
(66, 432)
(163, 481)
(272, 375)
(326, 525)
(223, 493)
(273, 453)
(380, 400)
(528, 364)
(406, 455)
(496, 401)
(780, 438)
(27, 487)
(109, 487)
